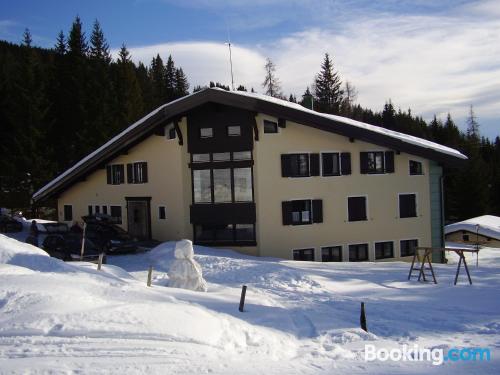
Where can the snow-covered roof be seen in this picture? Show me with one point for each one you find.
(486, 225)
(258, 103)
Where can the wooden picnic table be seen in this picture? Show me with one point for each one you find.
(428, 258)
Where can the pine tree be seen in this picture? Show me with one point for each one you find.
(77, 45)
(388, 116)
(157, 77)
(307, 99)
(241, 88)
(271, 83)
(170, 79)
(27, 40)
(328, 88)
(99, 48)
(472, 126)
(60, 46)
(181, 84)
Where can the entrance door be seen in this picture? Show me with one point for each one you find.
(139, 217)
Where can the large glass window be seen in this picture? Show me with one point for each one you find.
(358, 252)
(245, 232)
(202, 186)
(375, 162)
(303, 254)
(356, 207)
(331, 254)
(201, 158)
(407, 205)
(224, 232)
(301, 212)
(384, 250)
(299, 165)
(230, 233)
(243, 184)
(206, 132)
(222, 185)
(242, 155)
(408, 247)
(221, 156)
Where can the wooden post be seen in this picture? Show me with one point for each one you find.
(83, 241)
(150, 274)
(362, 318)
(242, 299)
(99, 263)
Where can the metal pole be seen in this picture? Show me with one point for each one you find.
(242, 299)
(231, 63)
(83, 241)
(362, 318)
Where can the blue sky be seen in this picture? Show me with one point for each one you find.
(433, 56)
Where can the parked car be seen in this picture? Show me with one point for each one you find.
(8, 224)
(68, 247)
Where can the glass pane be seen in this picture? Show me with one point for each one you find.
(270, 126)
(243, 184)
(201, 158)
(331, 164)
(244, 232)
(242, 155)
(303, 164)
(233, 130)
(224, 232)
(202, 186)
(221, 156)
(204, 233)
(206, 132)
(222, 185)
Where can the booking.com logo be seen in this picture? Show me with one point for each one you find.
(418, 354)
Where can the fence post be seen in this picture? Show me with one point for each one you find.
(242, 299)
(83, 241)
(362, 318)
(150, 274)
(99, 264)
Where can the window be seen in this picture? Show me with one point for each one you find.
(206, 132)
(415, 167)
(105, 210)
(97, 209)
(295, 165)
(301, 212)
(89, 210)
(116, 213)
(243, 184)
(234, 131)
(202, 186)
(384, 250)
(115, 174)
(270, 126)
(68, 212)
(303, 254)
(331, 164)
(222, 185)
(465, 237)
(358, 252)
(356, 207)
(221, 156)
(331, 254)
(377, 162)
(170, 132)
(137, 173)
(201, 158)
(162, 215)
(408, 247)
(225, 233)
(242, 155)
(407, 205)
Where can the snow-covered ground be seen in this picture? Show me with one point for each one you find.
(299, 318)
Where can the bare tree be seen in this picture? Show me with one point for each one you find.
(350, 92)
(271, 83)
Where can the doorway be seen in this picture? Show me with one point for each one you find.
(139, 217)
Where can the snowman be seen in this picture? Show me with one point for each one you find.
(185, 272)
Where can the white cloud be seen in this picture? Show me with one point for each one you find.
(431, 63)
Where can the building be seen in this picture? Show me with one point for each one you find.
(266, 177)
(483, 230)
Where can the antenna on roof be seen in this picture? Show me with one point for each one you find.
(230, 57)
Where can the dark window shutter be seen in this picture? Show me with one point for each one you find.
(144, 172)
(389, 162)
(286, 210)
(314, 164)
(345, 163)
(282, 123)
(317, 207)
(356, 207)
(130, 173)
(363, 162)
(108, 174)
(285, 166)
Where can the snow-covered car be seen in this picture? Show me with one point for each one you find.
(8, 224)
(68, 247)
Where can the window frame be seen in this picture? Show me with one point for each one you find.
(401, 248)
(228, 132)
(357, 257)
(162, 212)
(399, 206)
(339, 162)
(65, 217)
(302, 250)
(133, 179)
(233, 241)
(383, 250)
(112, 169)
(264, 121)
(298, 155)
(376, 172)
(301, 222)
(332, 247)
(366, 208)
(206, 136)
(421, 167)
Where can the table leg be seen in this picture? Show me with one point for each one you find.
(458, 267)
(432, 270)
(412, 263)
(466, 269)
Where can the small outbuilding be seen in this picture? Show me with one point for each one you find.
(483, 230)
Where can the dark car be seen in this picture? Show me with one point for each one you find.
(109, 237)
(69, 246)
(8, 224)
